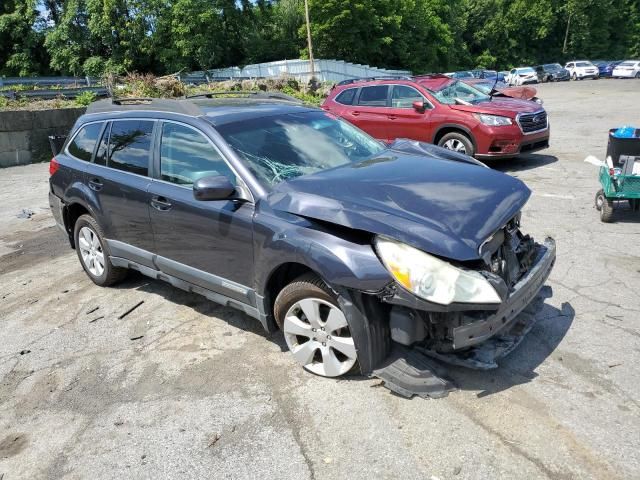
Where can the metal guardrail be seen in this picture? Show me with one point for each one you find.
(51, 93)
(71, 87)
(48, 81)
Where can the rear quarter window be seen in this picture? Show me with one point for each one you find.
(346, 96)
(84, 143)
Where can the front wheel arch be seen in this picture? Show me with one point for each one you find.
(448, 128)
(462, 138)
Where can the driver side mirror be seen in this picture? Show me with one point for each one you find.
(419, 106)
(216, 187)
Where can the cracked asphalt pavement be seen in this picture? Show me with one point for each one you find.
(183, 388)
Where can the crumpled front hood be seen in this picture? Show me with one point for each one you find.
(443, 206)
(508, 107)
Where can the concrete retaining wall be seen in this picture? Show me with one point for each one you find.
(24, 134)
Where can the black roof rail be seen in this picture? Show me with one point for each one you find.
(152, 104)
(349, 81)
(130, 100)
(253, 93)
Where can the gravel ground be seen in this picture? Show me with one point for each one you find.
(205, 393)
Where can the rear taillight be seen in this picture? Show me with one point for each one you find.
(53, 166)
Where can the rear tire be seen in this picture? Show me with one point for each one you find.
(315, 327)
(457, 142)
(93, 254)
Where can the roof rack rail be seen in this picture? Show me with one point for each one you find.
(131, 100)
(142, 103)
(371, 79)
(254, 93)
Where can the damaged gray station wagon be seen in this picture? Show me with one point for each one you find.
(303, 221)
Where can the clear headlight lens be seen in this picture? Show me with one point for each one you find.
(431, 278)
(493, 120)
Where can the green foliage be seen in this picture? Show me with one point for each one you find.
(105, 37)
(85, 98)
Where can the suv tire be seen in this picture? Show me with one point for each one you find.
(315, 328)
(458, 142)
(90, 246)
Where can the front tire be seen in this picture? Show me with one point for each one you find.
(606, 212)
(574, 77)
(457, 142)
(93, 256)
(315, 327)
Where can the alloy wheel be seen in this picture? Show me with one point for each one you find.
(318, 336)
(455, 145)
(91, 251)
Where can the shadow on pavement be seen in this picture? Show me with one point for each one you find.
(515, 369)
(520, 366)
(521, 163)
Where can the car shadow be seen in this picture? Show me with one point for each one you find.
(520, 163)
(519, 366)
(197, 302)
(622, 213)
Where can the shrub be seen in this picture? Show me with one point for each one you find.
(85, 98)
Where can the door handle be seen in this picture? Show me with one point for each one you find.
(391, 117)
(355, 114)
(96, 184)
(160, 203)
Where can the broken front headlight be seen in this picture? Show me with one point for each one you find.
(431, 278)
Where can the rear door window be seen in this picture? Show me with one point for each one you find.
(186, 156)
(375, 96)
(84, 143)
(130, 146)
(346, 97)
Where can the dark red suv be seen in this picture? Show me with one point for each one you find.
(444, 111)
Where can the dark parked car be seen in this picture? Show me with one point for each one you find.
(552, 72)
(300, 220)
(605, 68)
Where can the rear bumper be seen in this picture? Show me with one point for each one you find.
(56, 206)
(624, 74)
(523, 293)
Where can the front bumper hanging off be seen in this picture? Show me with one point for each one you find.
(410, 371)
(523, 293)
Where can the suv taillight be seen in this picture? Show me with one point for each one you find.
(53, 166)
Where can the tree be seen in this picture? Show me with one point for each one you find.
(21, 38)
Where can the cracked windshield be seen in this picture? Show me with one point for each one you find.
(283, 147)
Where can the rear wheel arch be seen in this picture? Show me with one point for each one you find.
(71, 213)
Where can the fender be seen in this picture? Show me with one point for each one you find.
(350, 263)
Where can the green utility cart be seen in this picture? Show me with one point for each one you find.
(620, 178)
